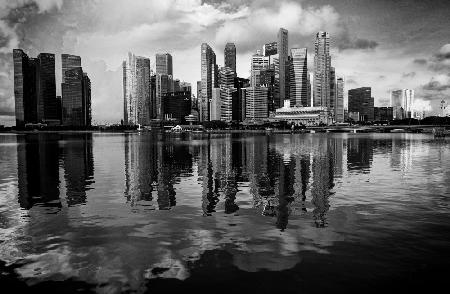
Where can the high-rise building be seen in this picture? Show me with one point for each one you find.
(339, 105)
(282, 48)
(230, 56)
(270, 49)
(227, 93)
(256, 103)
(47, 103)
(69, 62)
(164, 64)
(299, 77)
(259, 61)
(215, 105)
(332, 90)
(35, 88)
(87, 103)
(137, 90)
(383, 113)
(209, 73)
(76, 93)
(402, 103)
(176, 105)
(322, 67)
(72, 97)
(25, 88)
(162, 88)
(360, 101)
(239, 100)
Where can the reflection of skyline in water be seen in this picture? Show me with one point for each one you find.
(39, 159)
(285, 174)
(267, 200)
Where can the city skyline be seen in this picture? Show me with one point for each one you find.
(421, 60)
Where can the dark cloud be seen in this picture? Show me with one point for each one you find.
(420, 61)
(436, 86)
(345, 42)
(409, 74)
(440, 62)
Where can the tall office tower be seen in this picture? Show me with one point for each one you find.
(227, 93)
(164, 64)
(310, 89)
(270, 49)
(402, 103)
(125, 87)
(339, 105)
(25, 88)
(408, 102)
(259, 62)
(256, 103)
(72, 97)
(332, 90)
(68, 62)
(215, 105)
(230, 56)
(47, 103)
(282, 48)
(87, 103)
(361, 103)
(76, 92)
(209, 80)
(176, 85)
(199, 94)
(299, 77)
(137, 90)
(322, 65)
(162, 88)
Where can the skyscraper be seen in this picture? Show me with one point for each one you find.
(227, 92)
(164, 64)
(76, 92)
(47, 103)
(339, 108)
(137, 90)
(68, 62)
(230, 56)
(270, 49)
(25, 70)
(209, 80)
(299, 77)
(322, 67)
(256, 103)
(402, 103)
(332, 90)
(162, 88)
(35, 88)
(282, 48)
(361, 102)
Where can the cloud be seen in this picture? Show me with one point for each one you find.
(439, 83)
(440, 62)
(347, 42)
(420, 61)
(409, 75)
(261, 24)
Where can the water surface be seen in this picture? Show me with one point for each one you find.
(223, 213)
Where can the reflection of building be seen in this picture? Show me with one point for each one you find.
(152, 170)
(359, 154)
(78, 163)
(38, 170)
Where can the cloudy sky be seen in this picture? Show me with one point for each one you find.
(383, 44)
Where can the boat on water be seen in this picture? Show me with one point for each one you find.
(398, 131)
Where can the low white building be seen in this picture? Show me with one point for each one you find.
(308, 116)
